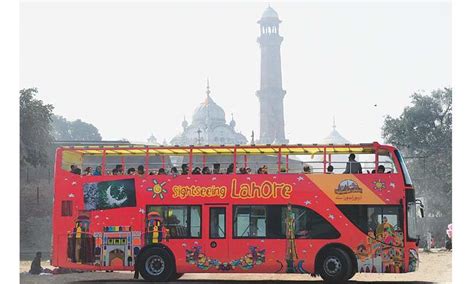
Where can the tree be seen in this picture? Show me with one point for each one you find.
(423, 133)
(76, 130)
(35, 136)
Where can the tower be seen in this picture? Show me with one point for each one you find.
(270, 95)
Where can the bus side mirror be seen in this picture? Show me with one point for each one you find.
(420, 207)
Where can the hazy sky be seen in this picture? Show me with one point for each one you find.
(133, 69)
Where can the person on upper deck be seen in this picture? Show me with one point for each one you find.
(98, 171)
(381, 169)
(141, 170)
(161, 171)
(353, 167)
(330, 169)
(184, 169)
(307, 169)
(206, 171)
(174, 171)
(230, 169)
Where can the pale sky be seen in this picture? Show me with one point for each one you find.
(137, 68)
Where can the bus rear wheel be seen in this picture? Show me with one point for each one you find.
(156, 264)
(335, 266)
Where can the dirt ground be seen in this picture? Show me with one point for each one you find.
(434, 267)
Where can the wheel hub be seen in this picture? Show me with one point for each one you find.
(155, 265)
(332, 265)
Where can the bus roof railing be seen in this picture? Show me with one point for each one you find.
(253, 149)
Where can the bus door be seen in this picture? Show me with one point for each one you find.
(218, 234)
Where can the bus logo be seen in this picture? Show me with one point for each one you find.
(348, 186)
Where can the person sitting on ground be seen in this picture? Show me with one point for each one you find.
(141, 170)
(381, 169)
(307, 169)
(353, 167)
(161, 171)
(131, 171)
(330, 169)
(36, 265)
(184, 169)
(174, 171)
(98, 171)
(206, 171)
(230, 169)
(196, 171)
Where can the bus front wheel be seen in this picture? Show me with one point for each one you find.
(156, 264)
(335, 266)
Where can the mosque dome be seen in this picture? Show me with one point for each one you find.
(208, 112)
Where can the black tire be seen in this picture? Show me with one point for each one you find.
(156, 264)
(335, 266)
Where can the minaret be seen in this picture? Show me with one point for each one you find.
(272, 122)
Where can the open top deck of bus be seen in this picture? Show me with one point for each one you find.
(253, 149)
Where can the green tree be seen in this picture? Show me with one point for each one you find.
(76, 130)
(423, 133)
(35, 136)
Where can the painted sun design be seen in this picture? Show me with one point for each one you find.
(157, 189)
(379, 184)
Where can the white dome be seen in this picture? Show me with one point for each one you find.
(208, 112)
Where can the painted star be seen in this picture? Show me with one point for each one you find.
(392, 185)
(248, 178)
(214, 178)
(157, 189)
(141, 210)
(71, 195)
(96, 216)
(331, 216)
(307, 202)
(300, 178)
(74, 183)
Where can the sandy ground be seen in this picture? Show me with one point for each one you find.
(434, 267)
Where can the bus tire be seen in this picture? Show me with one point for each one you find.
(156, 264)
(335, 266)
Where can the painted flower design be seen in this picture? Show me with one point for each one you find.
(157, 189)
(379, 184)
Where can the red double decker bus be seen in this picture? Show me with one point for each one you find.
(328, 210)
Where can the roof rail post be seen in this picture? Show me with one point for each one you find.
(103, 163)
(324, 160)
(235, 159)
(279, 159)
(190, 160)
(376, 150)
(147, 159)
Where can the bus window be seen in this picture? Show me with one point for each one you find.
(217, 223)
(381, 217)
(309, 224)
(181, 221)
(249, 221)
